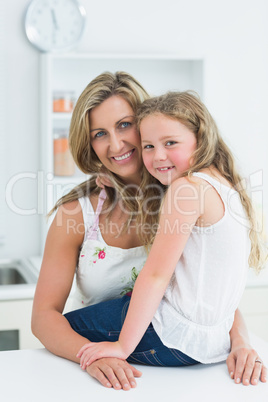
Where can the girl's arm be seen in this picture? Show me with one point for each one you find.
(241, 360)
(179, 213)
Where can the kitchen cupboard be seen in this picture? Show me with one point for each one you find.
(15, 325)
(254, 306)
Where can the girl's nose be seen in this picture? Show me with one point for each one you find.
(160, 154)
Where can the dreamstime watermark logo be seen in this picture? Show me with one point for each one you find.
(48, 191)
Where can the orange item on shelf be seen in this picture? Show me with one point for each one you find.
(63, 102)
(63, 161)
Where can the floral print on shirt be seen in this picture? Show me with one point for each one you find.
(100, 252)
(128, 290)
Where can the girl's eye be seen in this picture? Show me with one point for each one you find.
(100, 134)
(170, 143)
(148, 146)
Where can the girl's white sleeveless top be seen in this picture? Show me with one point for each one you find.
(103, 272)
(197, 311)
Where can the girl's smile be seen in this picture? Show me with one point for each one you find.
(167, 147)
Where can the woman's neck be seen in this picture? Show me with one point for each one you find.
(134, 180)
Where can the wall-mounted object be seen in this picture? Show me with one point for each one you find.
(55, 25)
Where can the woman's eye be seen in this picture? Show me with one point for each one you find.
(125, 124)
(100, 134)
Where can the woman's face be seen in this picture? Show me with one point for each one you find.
(115, 139)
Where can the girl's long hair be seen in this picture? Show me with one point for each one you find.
(97, 91)
(187, 108)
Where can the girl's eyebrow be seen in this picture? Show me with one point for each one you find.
(165, 137)
(117, 122)
(145, 141)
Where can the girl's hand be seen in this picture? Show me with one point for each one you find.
(93, 351)
(242, 366)
(104, 178)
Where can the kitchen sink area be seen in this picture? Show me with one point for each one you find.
(18, 278)
(11, 276)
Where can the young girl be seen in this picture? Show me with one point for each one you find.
(183, 303)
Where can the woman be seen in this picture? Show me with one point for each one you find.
(103, 133)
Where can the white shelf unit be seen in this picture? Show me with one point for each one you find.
(158, 73)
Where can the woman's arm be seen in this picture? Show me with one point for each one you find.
(116, 373)
(63, 242)
(55, 281)
(241, 361)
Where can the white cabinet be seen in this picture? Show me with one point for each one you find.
(16, 323)
(71, 73)
(254, 306)
(254, 303)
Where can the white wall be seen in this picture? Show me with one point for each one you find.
(232, 37)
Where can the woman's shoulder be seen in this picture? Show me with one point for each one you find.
(69, 221)
(70, 208)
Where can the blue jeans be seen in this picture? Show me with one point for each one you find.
(103, 322)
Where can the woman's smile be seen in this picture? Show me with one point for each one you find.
(125, 157)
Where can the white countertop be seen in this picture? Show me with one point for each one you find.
(39, 376)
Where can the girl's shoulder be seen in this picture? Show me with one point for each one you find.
(213, 173)
(185, 184)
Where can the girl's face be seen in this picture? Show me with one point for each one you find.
(167, 147)
(115, 139)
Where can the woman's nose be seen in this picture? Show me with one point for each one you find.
(116, 143)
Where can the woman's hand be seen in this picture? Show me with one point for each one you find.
(243, 366)
(114, 373)
(93, 351)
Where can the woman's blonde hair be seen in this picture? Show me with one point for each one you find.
(187, 108)
(97, 91)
